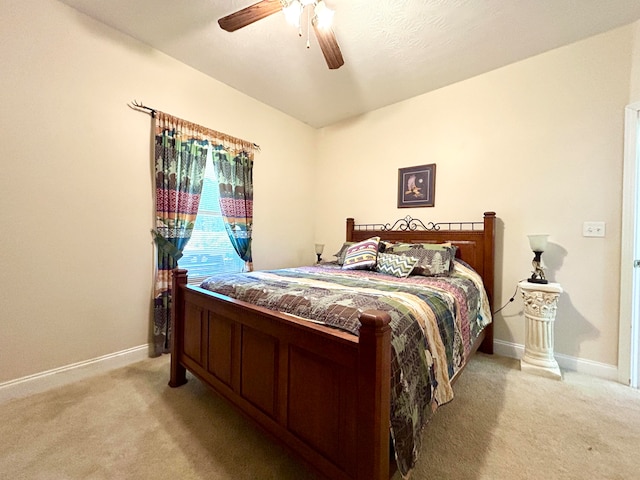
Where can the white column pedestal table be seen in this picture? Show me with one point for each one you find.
(540, 304)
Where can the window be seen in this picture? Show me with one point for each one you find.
(209, 250)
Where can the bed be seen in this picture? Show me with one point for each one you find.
(322, 391)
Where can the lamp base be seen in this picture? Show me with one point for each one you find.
(537, 280)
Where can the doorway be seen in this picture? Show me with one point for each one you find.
(629, 337)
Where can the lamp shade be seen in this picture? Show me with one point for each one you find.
(323, 14)
(292, 13)
(319, 248)
(538, 242)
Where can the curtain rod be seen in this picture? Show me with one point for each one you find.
(135, 105)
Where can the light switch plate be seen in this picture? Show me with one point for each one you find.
(593, 229)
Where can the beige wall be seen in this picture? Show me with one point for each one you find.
(76, 193)
(539, 142)
(635, 68)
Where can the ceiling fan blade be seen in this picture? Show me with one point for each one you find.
(329, 46)
(250, 14)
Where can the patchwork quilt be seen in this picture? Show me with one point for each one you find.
(434, 322)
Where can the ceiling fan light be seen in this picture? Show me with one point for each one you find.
(292, 13)
(324, 15)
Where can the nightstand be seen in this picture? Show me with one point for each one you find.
(540, 304)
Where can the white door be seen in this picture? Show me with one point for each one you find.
(635, 296)
(629, 341)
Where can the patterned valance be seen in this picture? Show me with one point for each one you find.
(204, 133)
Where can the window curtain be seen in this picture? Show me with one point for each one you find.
(180, 155)
(234, 169)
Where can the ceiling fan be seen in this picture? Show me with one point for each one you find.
(293, 10)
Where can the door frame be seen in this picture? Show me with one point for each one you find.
(629, 323)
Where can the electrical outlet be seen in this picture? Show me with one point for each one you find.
(593, 229)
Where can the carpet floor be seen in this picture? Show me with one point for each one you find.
(502, 424)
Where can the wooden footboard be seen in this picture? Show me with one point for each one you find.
(323, 393)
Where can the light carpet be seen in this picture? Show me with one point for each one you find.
(502, 424)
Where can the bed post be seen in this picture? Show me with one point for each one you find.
(488, 275)
(374, 396)
(350, 226)
(178, 372)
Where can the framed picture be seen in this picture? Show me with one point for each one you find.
(417, 186)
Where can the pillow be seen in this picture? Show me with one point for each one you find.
(433, 246)
(396, 265)
(434, 259)
(341, 253)
(453, 250)
(384, 245)
(362, 255)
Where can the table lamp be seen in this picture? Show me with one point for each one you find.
(538, 244)
(319, 250)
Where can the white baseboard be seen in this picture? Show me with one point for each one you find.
(566, 362)
(40, 382)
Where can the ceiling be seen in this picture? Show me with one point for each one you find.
(393, 49)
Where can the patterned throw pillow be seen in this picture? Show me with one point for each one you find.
(434, 259)
(362, 255)
(396, 265)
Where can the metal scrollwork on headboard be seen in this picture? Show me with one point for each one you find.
(409, 223)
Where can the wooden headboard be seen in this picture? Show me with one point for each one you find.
(475, 240)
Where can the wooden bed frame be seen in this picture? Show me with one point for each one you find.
(323, 393)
